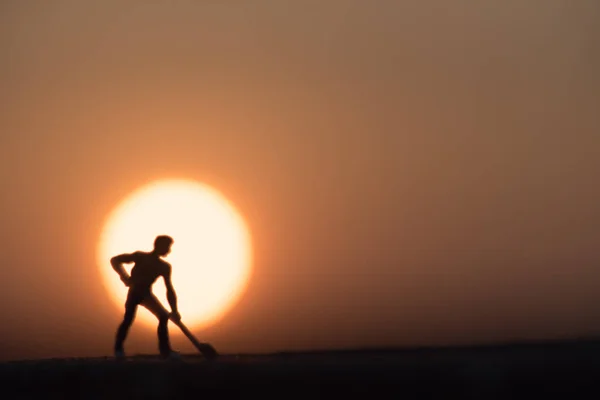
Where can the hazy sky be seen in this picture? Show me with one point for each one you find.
(415, 172)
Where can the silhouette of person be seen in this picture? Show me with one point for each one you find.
(148, 267)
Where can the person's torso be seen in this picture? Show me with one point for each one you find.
(146, 271)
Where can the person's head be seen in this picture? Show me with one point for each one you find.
(162, 245)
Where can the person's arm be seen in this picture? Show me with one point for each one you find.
(171, 295)
(117, 264)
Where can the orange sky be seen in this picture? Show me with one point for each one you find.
(422, 173)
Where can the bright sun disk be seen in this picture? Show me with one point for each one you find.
(211, 253)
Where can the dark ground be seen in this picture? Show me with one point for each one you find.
(566, 369)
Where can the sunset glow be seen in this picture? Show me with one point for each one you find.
(210, 257)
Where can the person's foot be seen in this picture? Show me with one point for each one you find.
(119, 354)
(172, 355)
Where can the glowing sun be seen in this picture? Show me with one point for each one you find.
(210, 256)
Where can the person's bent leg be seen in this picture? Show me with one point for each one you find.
(155, 307)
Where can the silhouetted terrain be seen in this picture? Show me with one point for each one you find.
(570, 369)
